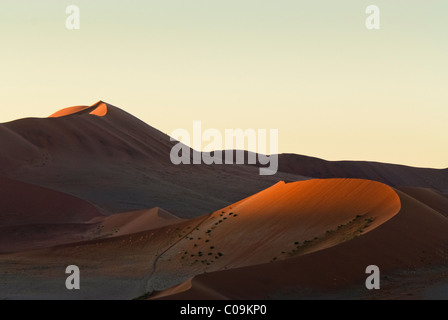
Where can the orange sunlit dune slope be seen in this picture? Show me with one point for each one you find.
(279, 223)
(98, 109)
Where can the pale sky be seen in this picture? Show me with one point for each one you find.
(311, 69)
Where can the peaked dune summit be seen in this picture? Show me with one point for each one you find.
(98, 109)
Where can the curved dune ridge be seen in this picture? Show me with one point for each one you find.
(281, 222)
(415, 239)
(98, 109)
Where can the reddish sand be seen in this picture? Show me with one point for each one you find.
(391, 174)
(41, 233)
(64, 176)
(119, 164)
(68, 111)
(25, 204)
(415, 238)
(134, 222)
(115, 161)
(49, 218)
(98, 109)
(282, 222)
(33, 216)
(429, 197)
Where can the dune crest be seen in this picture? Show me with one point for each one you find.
(98, 109)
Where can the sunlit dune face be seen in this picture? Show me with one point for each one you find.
(324, 200)
(98, 109)
(68, 111)
(281, 222)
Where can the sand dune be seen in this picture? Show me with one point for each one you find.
(115, 161)
(282, 222)
(87, 185)
(21, 152)
(429, 197)
(34, 217)
(98, 109)
(114, 267)
(24, 203)
(33, 236)
(134, 222)
(391, 174)
(404, 247)
(37, 234)
(119, 163)
(70, 111)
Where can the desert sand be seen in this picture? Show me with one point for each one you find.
(391, 174)
(93, 186)
(119, 164)
(258, 230)
(407, 248)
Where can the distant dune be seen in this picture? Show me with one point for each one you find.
(134, 222)
(33, 216)
(23, 203)
(391, 174)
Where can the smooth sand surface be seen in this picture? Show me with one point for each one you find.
(285, 221)
(134, 222)
(391, 174)
(411, 244)
(24, 204)
(35, 217)
(94, 186)
(120, 164)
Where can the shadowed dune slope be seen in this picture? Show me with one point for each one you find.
(391, 174)
(429, 197)
(36, 232)
(23, 203)
(33, 216)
